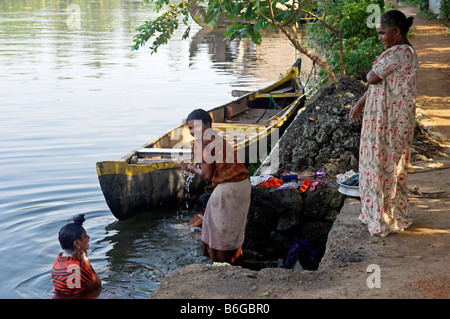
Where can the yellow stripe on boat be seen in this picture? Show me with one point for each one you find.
(122, 167)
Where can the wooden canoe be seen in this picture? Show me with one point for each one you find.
(150, 176)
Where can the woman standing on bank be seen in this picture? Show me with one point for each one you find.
(388, 122)
(223, 226)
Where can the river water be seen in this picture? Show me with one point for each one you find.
(73, 93)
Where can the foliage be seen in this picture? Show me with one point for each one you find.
(360, 43)
(423, 4)
(359, 55)
(445, 10)
(253, 167)
(254, 16)
(162, 28)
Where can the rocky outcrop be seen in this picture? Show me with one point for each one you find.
(277, 217)
(321, 137)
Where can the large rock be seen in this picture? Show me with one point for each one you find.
(277, 217)
(321, 137)
(323, 205)
(273, 213)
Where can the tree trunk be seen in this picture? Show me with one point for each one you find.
(310, 55)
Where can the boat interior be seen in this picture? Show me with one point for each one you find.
(246, 116)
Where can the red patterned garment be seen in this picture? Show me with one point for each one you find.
(71, 276)
(386, 137)
(227, 166)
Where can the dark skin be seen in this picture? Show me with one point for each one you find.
(389, 37)
(197, 220)
(81, 246)
(204, 170)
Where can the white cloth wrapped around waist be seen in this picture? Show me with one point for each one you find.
(225, 217)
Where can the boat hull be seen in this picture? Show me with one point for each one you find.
(131, 189)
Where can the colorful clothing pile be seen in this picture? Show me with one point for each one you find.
(316, 185)
(350, 178)
(271, 182)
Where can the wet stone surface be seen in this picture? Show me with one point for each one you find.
(278, 217)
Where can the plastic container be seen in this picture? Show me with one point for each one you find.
(348, 190)
(289, 177)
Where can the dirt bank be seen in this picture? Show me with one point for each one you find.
(433, 49)
(412, 264)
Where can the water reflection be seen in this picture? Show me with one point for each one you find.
(146, 249)
(219, 49)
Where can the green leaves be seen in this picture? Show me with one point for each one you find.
(248, 18)
(343, 20)
(162, 28)
(243, 31)
(360, 44)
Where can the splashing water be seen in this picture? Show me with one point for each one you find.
(188, 178)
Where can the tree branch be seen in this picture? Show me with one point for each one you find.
(300, 48)
(269, 2)
(338, 32)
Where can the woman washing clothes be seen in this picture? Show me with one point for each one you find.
(223, 226)
(388, 120)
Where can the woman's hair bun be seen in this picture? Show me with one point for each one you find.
(396, 19)
(409, 21)
(79, 220)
